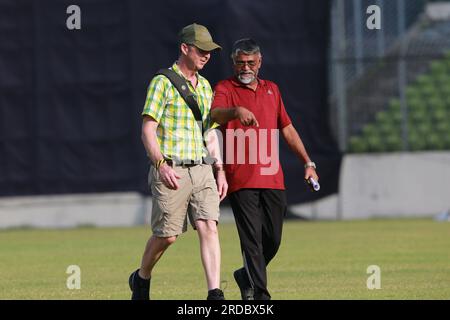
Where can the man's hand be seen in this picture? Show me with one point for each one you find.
(310, 172)
(168, 176)
(222, 185)
(246, 117)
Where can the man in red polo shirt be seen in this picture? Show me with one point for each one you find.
(252, 114)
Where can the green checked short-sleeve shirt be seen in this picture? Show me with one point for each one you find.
(179, 136)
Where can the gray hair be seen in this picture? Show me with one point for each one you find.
(245, 46)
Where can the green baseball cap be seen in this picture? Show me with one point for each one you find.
(199, 36)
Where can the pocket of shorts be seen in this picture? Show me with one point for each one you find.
(153, 177)
(159, 206)
(160, 199)
(159, 189)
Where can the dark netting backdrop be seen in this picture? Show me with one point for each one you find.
(70, 100)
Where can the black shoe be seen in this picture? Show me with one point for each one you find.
(139, 287)
(215, 294)
(241, 277)
(262, 295)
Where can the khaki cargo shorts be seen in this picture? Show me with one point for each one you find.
(197, 197)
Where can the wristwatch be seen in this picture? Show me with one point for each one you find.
(310, 164)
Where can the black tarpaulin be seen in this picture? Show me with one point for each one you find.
(70, 100)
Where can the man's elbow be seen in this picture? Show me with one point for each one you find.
(288, 133)
(143, 136)
(215, 117)
(148, 128)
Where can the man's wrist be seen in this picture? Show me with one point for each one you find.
(218, 168)
(235, 112)
(310, 164)
(159, 163)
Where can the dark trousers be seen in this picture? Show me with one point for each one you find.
(259, 217)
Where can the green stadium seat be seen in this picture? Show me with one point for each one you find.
(442, 79)
(416, 141)
(415, 104)
(443, 126)
(375, 143)
(413, 93)
(440, 114)
(436, 102)
(396, 116)
(358, 145)
(418, 115)
(382, 116)
(393, 142)
(423, 128)
(369, 130)
(438, 67)
(444, 89)
(424, 80)
(388, 128)
(446, 139)
(444, 85)
(428, 112)
(443, 139)
(394, 103)
(429, 90)
(435, 142)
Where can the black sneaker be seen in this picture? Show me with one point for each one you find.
(215, 294)
(139, 287)
(241, 277)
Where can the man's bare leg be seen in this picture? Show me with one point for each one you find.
(210, 251)
(154, 250)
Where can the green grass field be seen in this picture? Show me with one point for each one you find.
(317, 260)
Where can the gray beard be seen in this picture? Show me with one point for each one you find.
(246, 80)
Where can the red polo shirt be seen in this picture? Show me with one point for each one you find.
(251, 154)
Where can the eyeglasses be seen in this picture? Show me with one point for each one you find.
(250, 63)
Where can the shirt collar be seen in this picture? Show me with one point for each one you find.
(176, 68)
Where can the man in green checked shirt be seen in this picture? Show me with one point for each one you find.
(181, 183)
